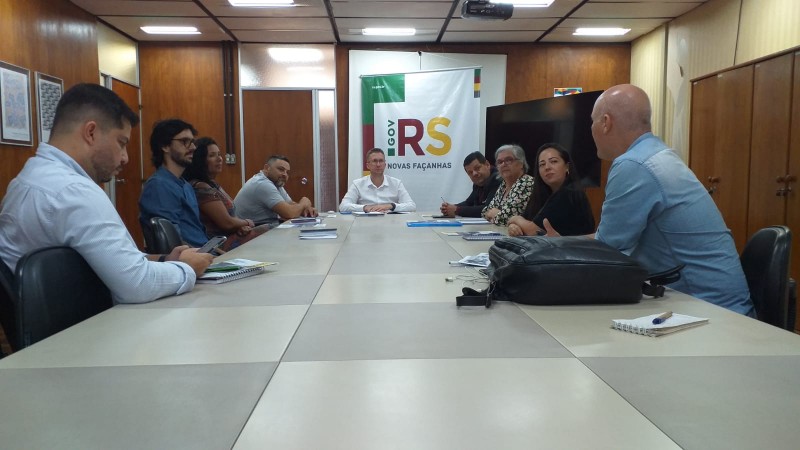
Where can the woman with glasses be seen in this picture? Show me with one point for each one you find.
(216, 207)
(515, 188)
(557, 197)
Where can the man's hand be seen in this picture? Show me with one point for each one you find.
(448, 209)
(551, 232)
(515, 230)
(305, 203)
(197, 261)
(176, 253)
(310, 212)
(378, 207)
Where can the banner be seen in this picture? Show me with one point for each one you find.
(426, 123)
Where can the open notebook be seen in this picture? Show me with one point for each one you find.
(644, 325)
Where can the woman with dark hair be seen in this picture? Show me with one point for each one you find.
(557, 197)
(216, 207)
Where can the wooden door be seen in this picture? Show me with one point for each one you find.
(129, 180)
(280, 123)
(734, 104)
(769, 153)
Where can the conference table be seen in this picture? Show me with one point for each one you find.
(357, 343)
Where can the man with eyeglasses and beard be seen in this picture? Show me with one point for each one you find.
(166, 194)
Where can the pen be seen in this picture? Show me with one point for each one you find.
(662, 318)
(443, 200)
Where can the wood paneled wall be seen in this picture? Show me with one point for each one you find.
(54, 37)
(532, 71)
(185, 80)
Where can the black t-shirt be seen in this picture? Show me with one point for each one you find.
(568, 211)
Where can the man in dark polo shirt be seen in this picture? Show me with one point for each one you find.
(484, 184)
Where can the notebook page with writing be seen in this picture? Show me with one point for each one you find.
(645, 326)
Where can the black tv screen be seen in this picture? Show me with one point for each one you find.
(565, 120)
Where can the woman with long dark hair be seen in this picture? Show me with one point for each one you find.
(217, 211)
(557, 197)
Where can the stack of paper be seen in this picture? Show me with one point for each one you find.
(318, 233)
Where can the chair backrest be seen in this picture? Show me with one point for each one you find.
(56, 288)
(165, 236)
(765, 260)
(8, 304)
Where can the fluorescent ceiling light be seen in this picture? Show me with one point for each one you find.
(388, 31)
(170, 30)
(526, 3)
(261, 3)
(295, 55)
(600, 31)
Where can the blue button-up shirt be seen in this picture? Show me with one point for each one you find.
(165, 195)
(659, 213)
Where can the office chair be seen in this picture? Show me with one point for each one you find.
(8, 304)
(56, 288)
(165, 236)
(765, 260)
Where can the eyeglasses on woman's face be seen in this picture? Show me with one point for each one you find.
(504, 161)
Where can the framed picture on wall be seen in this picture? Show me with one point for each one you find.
(15, 105)
(48, 92)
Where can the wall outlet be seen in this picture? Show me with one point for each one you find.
(230, 158)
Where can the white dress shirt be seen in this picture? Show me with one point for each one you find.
(362, 192)
(53, 202)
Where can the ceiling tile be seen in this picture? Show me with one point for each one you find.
(304, 8)
(274, 23)
(491, 36)
(130, 26)
(500, 25)
(391, 9)
(286, 37)
(634, 10)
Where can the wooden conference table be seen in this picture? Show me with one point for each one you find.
(356, 343)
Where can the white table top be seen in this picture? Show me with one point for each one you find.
(369, 352)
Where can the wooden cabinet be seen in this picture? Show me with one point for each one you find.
(769, 146)
(720, 143)
(745, 146)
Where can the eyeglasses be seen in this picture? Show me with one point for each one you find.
(504, 161)
(377, 161)
(187, 142)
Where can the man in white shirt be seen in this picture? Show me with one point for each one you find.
(264, 200)
(56, 201)
(377, 192)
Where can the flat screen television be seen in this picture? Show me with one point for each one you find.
(565, 120)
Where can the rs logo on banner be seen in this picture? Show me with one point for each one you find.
(426, 123)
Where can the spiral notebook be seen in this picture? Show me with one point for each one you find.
(645, 326)
(233, 269)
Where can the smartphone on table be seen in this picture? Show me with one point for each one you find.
(212, 243)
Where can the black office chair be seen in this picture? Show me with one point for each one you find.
(765, 260)
(56, 288)
(165, 236)
(8, 304)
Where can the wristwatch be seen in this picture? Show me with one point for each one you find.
(394, 205)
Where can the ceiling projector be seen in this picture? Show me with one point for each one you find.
(484, 10)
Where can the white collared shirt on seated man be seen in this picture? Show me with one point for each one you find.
(363, 192)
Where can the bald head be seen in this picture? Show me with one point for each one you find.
(621, 114)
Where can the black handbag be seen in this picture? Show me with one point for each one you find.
(538, 270)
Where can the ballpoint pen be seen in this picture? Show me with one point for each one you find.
(662, 318)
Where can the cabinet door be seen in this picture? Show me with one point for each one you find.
(769, 154)
(701, 132)
(731, 151)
